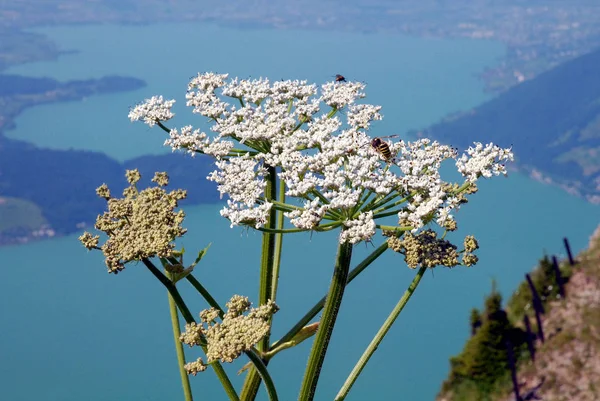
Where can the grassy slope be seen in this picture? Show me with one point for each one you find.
(19, 214)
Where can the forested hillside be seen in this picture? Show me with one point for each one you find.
(543, 344)
(62, 183)
(552, 122)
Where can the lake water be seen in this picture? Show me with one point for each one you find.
(79, 333)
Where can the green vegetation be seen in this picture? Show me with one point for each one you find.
(19, 213)
(62, 194)
(66, 195)
(481, 370)
(544, 281)
(565, 366)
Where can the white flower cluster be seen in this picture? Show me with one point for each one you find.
(293, 129)
(480, 161)
(152, 110)
(361, 229)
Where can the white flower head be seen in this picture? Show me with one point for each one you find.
(360, 229)
(241, 178)
(480, 161)
(152, 110)
(341, 95)
(291, 133)
(361, 115)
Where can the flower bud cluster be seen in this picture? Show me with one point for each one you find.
(140, 225)
(240, 329)
(426, 250)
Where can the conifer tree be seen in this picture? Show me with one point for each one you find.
(475, 320)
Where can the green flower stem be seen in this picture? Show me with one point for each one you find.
(267, 267)
(391, 205)
(281, 205)
(319, 305)
(267, 230)
(364, 197)
(254, 376)
(336, 215)
(163, 127)
(393, 228)
(261, 368)
(305, 333)
(360, 365)
(268, 251)
(330, 311)
(463, 187)
(185, 378)
(378, 200)
(278, 244)
(328, 226)
(285, 207)
(319, 228)
(187, 315)
(319, 195)
(205, 294)
(251, 384)
(220, 372)
(386, 214)
(332, 112)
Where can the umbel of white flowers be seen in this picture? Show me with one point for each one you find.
(333, 177)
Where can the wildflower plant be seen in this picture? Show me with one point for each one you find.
(293, 157)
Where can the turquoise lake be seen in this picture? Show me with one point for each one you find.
(73, 332)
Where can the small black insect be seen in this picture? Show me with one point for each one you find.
(339, 78)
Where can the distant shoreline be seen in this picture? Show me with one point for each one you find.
(53, 193)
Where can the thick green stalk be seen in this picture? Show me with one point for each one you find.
(319, 305)
(278, 244)
(360, 365)
(187, 315)
(185, 378)
(268, 251)
(269, 267)
(330, 311)
(251, 384)
(185, 312)
(260, 367)
(252, 376)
